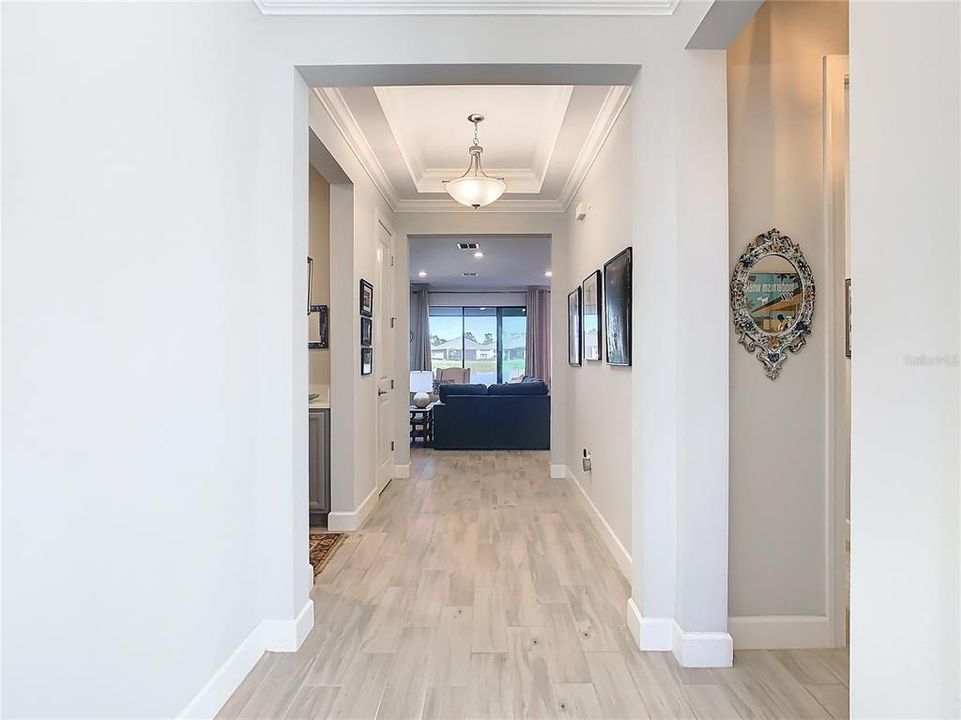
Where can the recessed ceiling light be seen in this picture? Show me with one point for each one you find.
(422, 273)
(469, 274)
(478, 254)
(467, 246)
(548, 274)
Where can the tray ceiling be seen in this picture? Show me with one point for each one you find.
(542, 139)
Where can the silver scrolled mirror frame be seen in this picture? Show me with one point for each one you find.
(771, 348)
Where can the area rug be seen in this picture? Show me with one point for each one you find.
(322, 548)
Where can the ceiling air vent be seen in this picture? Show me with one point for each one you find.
(467, 246)
(469, 274)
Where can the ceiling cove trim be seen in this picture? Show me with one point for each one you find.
(447, 206)
(520, 180)
(604, 123)
(467, 7)
(335, 105)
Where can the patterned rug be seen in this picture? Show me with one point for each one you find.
(322, 547)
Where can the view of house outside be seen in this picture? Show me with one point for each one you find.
(470, 340)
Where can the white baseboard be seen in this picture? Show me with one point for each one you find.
(558, 472)
(307, 579)
(212, 696)
(276, 635)
(702, 649)
(350, 521)
(288, 635)
(634, 619)
(780, 632)
(622, 558)
(401, 472)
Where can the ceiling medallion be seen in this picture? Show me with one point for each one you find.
(475, 188)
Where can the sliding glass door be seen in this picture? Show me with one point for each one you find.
(480, 344)
(490, 341)
(513, 343)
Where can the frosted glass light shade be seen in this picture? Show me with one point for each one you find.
(476, 191)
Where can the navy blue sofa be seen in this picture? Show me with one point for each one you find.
(511, 416)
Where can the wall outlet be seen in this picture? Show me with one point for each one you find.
(586, 460)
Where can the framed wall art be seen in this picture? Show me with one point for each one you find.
(366, 360)
(323, 328)
(591, 292)
(366, 299)
(574, 327)
(366, 332)
(617, 307)
(772, 299)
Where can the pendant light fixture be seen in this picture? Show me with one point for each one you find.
(475, 188)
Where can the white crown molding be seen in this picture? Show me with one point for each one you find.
(545, 151)
(607, 116)
(519, 180)
(467, 7)
(335, 105)
(444, 205)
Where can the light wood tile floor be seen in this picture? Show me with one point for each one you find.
(479, 588)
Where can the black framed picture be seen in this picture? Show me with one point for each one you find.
(366, 299)
(310, 281)
(591, 288)
(323, 328)
(366, 332)
(366, 360)
(574, 327)
(617, 308)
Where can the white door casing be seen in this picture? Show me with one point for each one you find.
(383, 352)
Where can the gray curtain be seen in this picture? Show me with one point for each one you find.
(420, 327)
(539, 333)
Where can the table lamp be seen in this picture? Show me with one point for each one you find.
(421, 383)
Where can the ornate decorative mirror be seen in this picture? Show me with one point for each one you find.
(772, 299)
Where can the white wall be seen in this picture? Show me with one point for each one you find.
(680, 378)
(779, 431)
(130, 367)
(599, 395)
(905, 227)
(496, 298)
(155, 176)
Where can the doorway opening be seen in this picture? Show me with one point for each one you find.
(480, 342)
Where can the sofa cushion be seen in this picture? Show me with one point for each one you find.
(446, 390)
(537, 387)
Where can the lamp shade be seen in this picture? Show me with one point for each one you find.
(421, 381)
(476, 191)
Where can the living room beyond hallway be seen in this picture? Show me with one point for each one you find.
(480, 342)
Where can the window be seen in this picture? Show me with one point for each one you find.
(490, 341)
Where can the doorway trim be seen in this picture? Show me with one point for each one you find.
(838, 456)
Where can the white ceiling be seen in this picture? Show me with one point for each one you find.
(509, 261)
(541, 138)
(466, 7)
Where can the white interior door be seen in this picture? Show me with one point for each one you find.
(383, 356)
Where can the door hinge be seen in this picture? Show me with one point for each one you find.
(392, 445)
(393, 321)
(391, 384)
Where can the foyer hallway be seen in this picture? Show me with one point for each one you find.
(479, 588)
